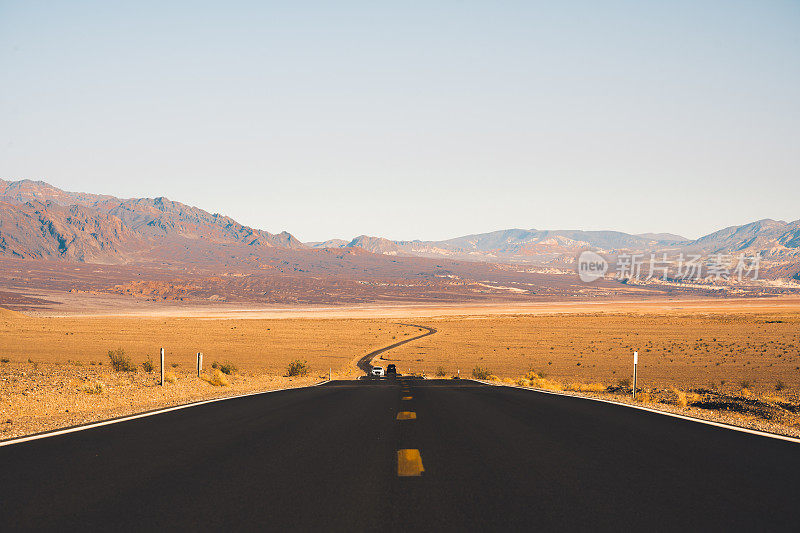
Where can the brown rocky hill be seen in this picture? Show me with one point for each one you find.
(38, 220)
(39, 230)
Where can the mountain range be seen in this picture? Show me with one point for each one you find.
(40, 221)
(770, 238)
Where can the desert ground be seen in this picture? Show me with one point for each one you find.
(736, 357)
(679, 348)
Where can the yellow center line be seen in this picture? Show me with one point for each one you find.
(409, 463)
(406, 415)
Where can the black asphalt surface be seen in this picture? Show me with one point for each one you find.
(325, 458)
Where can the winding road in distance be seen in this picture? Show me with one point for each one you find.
(402, 455)
(364, 363)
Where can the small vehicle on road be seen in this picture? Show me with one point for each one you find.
(391, 370)
(377, 371)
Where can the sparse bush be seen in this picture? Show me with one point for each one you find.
(169, 377)
(779, 385)
(440, 373)
(175, 365)
(148, 365)
(680, 398)
(214, 365)
(298, 368)
(4, 360)
(685, 399)
(624, 382)
(481, 373)
(217, 379)
(546, 384)
(228, 368)
(586, 387)
(644, 397)
(538, 381)
(97, 388)
(745, 383)
(120, 362)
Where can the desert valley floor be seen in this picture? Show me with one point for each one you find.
(736, 358)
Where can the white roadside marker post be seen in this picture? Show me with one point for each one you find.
(330, 373)
(199, 363)
(162, 367)
(635, 362)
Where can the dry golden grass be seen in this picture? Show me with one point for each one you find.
(586, 387)
(217, 378)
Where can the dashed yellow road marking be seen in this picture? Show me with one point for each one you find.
(406, 397)
(409, 463)
(406, 415)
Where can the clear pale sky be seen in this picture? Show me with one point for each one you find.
(413, 119)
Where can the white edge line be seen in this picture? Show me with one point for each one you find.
(651, 410)
(93, 425)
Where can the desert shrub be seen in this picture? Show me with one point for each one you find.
(120, 362)
(745, 383)
(217, 379)
(228, 368)
(298, 368)
(624, 382)
(175, 365)
(214, 365)
(481, 373)
(543, 383)
(148, 365)
(586, 387)
(97, 388)
(440, 373)
(169, 377)
(779, 385)
(4, 360)
(685, 399)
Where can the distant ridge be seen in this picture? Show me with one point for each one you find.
(767, 237)
(38, 220)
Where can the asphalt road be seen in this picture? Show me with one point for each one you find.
(326, 458)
